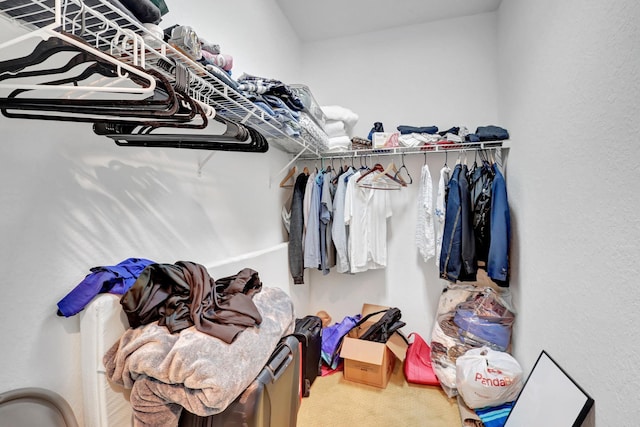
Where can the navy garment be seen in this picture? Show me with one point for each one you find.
(453, 130)
(457, 257)
(491, 133)
(468, 245)
(115, 279)
(498, 258)
(377, 127)
(450, 255)
(404, 129)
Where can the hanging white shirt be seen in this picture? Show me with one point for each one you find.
(425, 232)
(366, 211)
(440, 210)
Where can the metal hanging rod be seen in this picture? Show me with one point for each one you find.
(423, 149)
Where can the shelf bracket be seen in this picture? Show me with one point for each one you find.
(292, 161)
(204, 162)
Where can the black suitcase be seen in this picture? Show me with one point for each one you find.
(272, 400)
(308, 330)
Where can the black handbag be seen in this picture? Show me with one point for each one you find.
(384, 327)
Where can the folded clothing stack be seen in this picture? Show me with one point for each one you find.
(413, 136)
(339, 125)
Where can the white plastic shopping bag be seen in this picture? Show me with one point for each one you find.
(487, 377)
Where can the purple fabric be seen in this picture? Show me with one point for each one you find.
(115, 279)
(332, 338)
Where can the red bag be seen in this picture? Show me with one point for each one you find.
(417, 363)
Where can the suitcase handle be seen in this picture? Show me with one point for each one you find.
(279, 363)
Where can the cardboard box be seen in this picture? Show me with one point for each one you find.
(369, 362)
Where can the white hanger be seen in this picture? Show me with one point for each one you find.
(123, 68)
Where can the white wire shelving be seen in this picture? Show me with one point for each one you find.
(110, 30)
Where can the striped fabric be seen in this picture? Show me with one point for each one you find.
(495, 416)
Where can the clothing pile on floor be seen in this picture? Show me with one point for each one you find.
(470, 319)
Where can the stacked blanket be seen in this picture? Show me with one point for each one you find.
(339, 126)
(191, 369)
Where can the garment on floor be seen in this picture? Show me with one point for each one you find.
(332, 339)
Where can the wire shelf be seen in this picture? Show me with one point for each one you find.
(109, 29)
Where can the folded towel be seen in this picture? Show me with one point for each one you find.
(338, 113)
(335, 128)
(340, 141)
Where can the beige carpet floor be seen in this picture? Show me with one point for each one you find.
(335, 402)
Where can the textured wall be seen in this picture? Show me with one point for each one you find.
(569, 90)
(71, 200)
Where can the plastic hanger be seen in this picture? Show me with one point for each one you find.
(255, 143)
(236, 137)
(387, 182)
(404, 167)
(290, 175)
(61, 41)
(163, 103)
(391, 171)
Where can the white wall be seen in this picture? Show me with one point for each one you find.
(442, 73)
(568, 80)
(71, 200)
(561, 76)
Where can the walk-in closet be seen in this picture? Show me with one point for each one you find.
(160, 161)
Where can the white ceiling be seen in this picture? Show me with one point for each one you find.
(323, 19)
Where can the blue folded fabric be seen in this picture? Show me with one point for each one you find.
(491, 133)
(495, 416)
(482, 328)
(404, 129)
(454, 130)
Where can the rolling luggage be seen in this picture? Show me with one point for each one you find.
(308, 330)
(272, 400)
